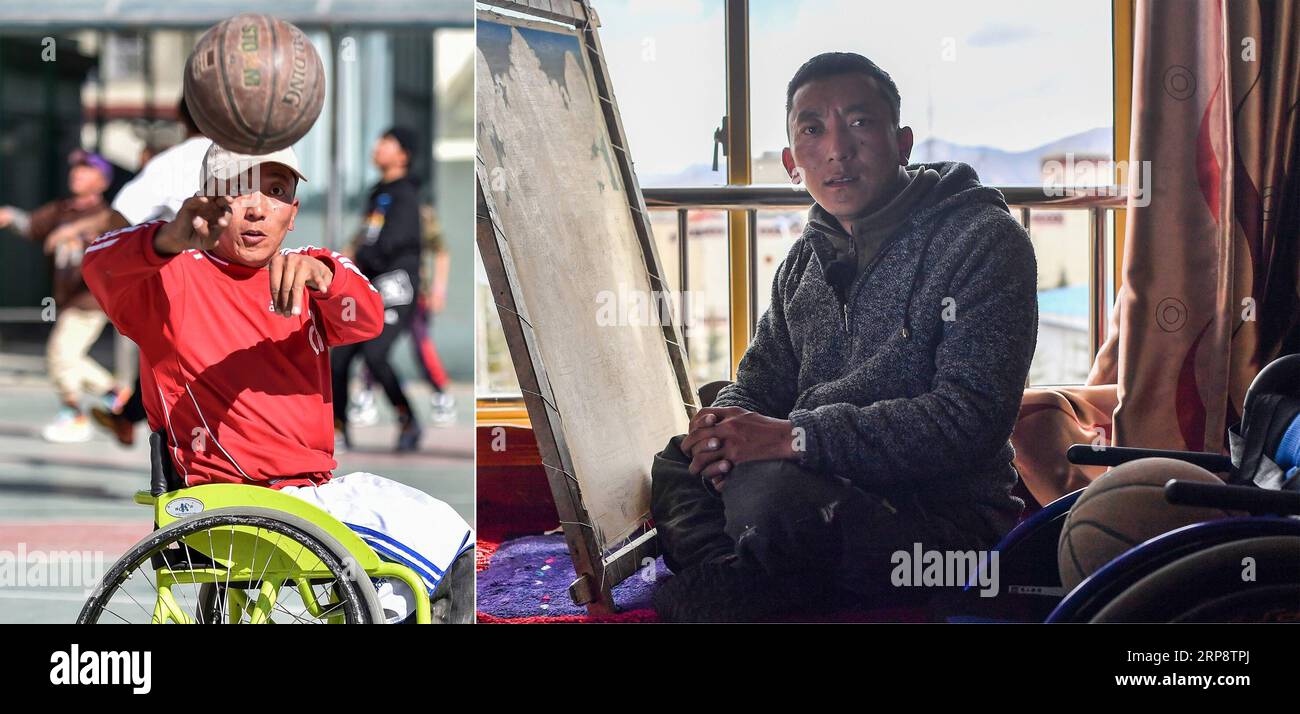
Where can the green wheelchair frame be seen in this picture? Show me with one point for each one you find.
(235, 549)
(230, 553)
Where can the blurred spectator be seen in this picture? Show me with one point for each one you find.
(167, 180)
(433, 298)
(65, 226)
(388, 252)
(362, 409)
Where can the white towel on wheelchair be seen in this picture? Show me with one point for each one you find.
(403, 524)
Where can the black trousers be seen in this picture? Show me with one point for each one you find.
(790, 522)
(375, 353)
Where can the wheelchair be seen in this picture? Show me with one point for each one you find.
(234, 553)
(1150, 582)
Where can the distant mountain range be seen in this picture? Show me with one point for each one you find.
(1021, 168)
(996, 167)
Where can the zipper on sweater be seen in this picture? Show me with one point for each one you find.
(856, 287)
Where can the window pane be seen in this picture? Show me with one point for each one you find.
(777, 232)
(1064, 354)
(1000, 85)
(664, 226)
(667, 63)
(708, 321)
(494, 374)
(702, 313)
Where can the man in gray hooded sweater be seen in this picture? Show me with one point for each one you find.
(872, 411)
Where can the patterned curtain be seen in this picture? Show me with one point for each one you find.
(1212, 262)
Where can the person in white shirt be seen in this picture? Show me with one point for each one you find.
(164, 183)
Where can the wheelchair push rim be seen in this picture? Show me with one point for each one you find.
(235, 565)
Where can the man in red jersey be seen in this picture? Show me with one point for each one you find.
(234, 335)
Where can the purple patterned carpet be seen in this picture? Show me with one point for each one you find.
(530, 576)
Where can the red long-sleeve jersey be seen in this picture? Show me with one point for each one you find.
(243, 393)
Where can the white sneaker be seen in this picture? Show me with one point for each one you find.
(363, 411)
(444, 409)
(69, 427)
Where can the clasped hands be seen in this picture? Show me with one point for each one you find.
(719, 438)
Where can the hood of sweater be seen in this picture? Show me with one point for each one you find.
(933, 190)
(859, 246)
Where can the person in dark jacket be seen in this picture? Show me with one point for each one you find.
(387, 251)
(872, 411)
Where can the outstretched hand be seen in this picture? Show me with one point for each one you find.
(198, 225)
(290, 273)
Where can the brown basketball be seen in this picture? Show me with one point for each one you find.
(254, 84)
(1123, 508)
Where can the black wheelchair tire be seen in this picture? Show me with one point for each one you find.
(1164, 595)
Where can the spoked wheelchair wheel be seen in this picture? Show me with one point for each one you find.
(235, 565)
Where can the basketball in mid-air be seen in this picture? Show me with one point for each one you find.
(254, 84)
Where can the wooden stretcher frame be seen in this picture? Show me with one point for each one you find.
(599, 567)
